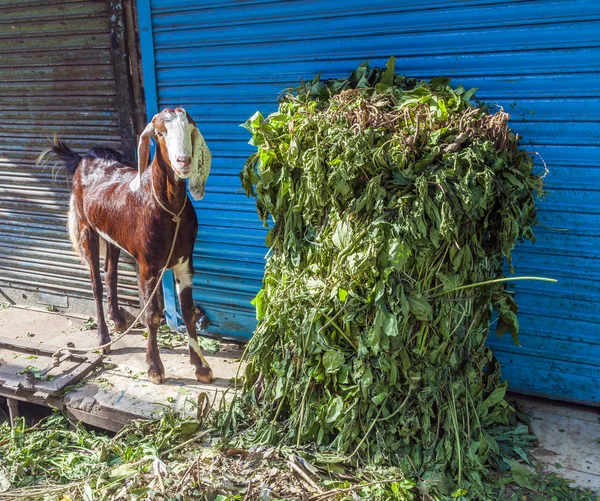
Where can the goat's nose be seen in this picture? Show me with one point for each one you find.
(185, 160)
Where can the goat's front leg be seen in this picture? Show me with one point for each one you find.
(156, 369)
(111, 264)
(89, 245)
(183, 276)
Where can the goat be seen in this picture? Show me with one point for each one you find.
(114, 208)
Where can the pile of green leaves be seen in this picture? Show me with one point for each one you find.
(396, 204)
(166, 459)
(54, 452)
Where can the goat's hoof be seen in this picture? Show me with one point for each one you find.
(104, 339)
(204, 375)
(156, 376)
(120, 328)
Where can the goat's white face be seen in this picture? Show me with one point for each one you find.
(183, 146)
(178, 139)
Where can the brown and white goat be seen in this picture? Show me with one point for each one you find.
(115, 208)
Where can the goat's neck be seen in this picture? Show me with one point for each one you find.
(170, 191)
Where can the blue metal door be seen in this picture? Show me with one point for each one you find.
(540, 60)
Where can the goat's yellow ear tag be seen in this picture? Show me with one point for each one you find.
(201, 162)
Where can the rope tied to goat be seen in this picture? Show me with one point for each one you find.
(56, 357)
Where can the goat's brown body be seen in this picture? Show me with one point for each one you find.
(134, 220)
(107, 211)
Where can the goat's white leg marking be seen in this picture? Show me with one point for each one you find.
(108, 239)
(183, 277)
(184, 280)
(74, 227)
(102, 246)
(193, 343)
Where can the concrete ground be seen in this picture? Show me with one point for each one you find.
(568, 433)
(569, 437)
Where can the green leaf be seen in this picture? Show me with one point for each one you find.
(387, 77)
(470, 93)
(279, 387)
(379, 398)
(334, 410)
(419, 306)
(507, 311)
(342, 375)
(496, 396)
(342, 235)
(269, 237)
(399, 254)
(522, 476)
(210, 346)
(332, 361)
(256, 120)
(342, 294)
(189, 427)
(258, 303)
(389, 324)
(122, 471)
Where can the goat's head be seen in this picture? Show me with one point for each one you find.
(182, 148)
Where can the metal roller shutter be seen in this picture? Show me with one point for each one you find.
(56, 76)
(540, 60)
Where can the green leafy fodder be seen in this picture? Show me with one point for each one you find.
(51, 452)
(388, 196)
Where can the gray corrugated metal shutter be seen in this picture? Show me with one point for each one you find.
(56, 76)
(538, 59)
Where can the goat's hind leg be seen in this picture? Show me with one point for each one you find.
(183, 275)
(111, 263)
(89, 244)
(148, 280)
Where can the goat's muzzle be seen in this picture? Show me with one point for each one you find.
(183, 166)
(184, 161)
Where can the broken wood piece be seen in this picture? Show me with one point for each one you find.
(300, 471)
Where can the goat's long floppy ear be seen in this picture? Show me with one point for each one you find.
(201, 160)
(143, 154)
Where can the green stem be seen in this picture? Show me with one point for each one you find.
(369, 429)
(301, 420)
(497, 281)
(454, 417)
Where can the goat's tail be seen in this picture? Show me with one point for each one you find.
(63, 153)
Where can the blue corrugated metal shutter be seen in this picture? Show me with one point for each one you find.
(540, 60)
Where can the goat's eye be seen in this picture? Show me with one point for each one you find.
(159, 134)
